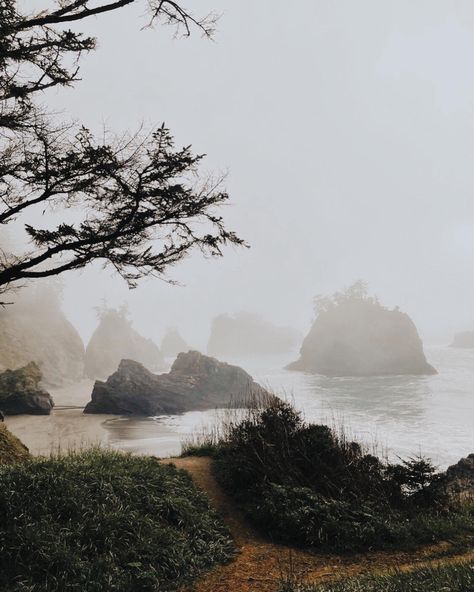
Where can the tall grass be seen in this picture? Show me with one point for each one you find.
(100, 521)
(456, 577)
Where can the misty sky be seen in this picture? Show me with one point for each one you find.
(347, 129)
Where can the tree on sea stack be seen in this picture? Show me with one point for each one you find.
(137, 202)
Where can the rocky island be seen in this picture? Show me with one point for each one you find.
(195, 382)
(115, 339)
(354, 335)
(20, 392)
(247, 333)
(172, 344)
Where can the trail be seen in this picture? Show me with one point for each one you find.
(260, 565)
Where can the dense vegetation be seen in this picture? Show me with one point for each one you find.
(11, 449)
(458, 577)
(101, 520)
(304, 484)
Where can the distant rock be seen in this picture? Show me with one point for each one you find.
(34, 329)
(115, 339)
(459, 478)
(353, 335)
(195, 382)
(464, 340)
(247, 333)
(20, 392)
(172, 344)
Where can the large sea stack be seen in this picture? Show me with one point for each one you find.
(195, 382)
(247, 333)
(115, 339)
(353, 335)
(34, 329)
(21, 392)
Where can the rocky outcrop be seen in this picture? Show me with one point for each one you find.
(459, 478)
(20, 392)
(172, 344)
(34, 329)
(195, 382)
(464, 340)
(115, 339)
(12, 450)
(359, 337)
(246, 333)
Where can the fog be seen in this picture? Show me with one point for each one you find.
(346, 129)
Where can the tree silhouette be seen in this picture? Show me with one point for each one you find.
(138, 202)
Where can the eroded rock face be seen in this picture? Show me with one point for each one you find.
(359, 337)
(195, 382)
(20, 392)
(115, 339)
(464, 340)
(35, 329)
(247, 333)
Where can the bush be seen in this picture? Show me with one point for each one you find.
(101, 520)
(306, 485)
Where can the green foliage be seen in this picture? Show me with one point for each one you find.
(101, 520)
(457, 577)
(304, 484)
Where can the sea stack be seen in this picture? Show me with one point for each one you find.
(354, 335)
(195, 382)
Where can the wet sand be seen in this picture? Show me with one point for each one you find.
(64, 429)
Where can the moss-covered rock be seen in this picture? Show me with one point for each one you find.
(20, 392)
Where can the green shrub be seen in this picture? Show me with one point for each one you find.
(305, 484)
(101, 520)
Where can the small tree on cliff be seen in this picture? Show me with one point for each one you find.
(138, 202)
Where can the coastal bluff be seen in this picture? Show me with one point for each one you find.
(195, 382)
(356, 336)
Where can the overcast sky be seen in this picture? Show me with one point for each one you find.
(347, 130)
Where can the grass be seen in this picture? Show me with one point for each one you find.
(306, 485)
(11, 449)
(455, 577)
(102, 520)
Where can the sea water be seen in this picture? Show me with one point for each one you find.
(400, 416)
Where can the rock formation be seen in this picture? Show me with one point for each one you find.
(115, 339)
(353, 335)
(20, 392)
(246, 333)
(459, 478)
(464, 340)
(34, 329)
(12, 450)
(173, 344)
(195, 382)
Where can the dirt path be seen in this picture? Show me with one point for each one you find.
(260, 565)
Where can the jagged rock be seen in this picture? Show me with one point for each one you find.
(172, 344)
(246, 333)
(20, 392)
(35, 329)
(195, 382)
(115, 339)
(464, 340)
(459, 478)
(356, 336)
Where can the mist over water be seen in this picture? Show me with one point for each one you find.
(401, 415)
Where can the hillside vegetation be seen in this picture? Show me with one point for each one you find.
(101, 520)
(303, 484)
